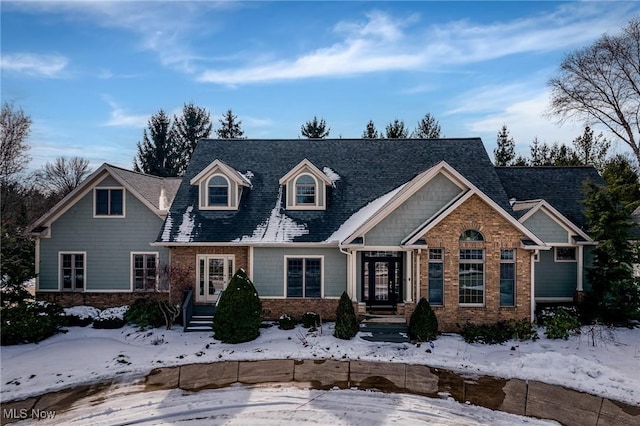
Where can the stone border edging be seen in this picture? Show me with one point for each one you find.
(515, 396)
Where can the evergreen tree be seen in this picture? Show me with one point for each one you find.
(591, 150)
(315, 129)
(230, 127)
(428, 128)
(615, 294)
(370, 132)
(158, 155)
(237, 319)
(396, 130)
(505, 152)
(423, 324)
(623, 179)
(194, 124)
(346, 321)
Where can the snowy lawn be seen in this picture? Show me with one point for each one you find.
(610, 369)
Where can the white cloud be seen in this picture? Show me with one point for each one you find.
(120, 118)
(32, 64)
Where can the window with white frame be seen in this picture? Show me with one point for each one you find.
(144, 271)
(306, 191)
(436, 276)
(507, 277)
(218, 191)
(109, 202)
(565, 254)
(471, 277)
(72, 271)
(304, 277)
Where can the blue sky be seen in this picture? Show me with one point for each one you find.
(90, 74)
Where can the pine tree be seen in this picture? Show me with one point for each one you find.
(230, 127)
(428, 128)
(505, 152)
(615, 294)
(623, 179)
(194, 124)
(591, 150)
(396, 130)
(346, 321)
(158, 153)
(315, 129)
(370, 132)
(237, 319)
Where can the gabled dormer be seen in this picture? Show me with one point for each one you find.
(220, 186)
(306, 187)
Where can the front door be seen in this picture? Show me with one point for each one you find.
(382, 281)
(214, 273)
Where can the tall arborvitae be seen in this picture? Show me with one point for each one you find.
(346, 321)
(237, 319)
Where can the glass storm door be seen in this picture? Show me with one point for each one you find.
(214, 273)
(381, 281)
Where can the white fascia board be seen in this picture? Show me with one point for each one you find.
(227, 170)
(557, 217)
(239, 244)
(306, 163)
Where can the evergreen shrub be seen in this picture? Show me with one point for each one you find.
(237, 319)
(559, 322)
(346, 321)
(310, 320)
(499, 332)
(145, 312)
(423, 324)
(287, 322)
(30, 322)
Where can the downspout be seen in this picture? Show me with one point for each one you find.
(579, 280)
(533, 283)
(350, 280)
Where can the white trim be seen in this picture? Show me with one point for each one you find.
(124, 290)
(296, 170)
(484, 277)
(322, 274)
(555, 254)
(204, 198)
(557, 217)
(226, 170)
(533, 261)
(316, 196)
(131, 265)
(580, 256)
(553, 299)
(60, 285)
(37, 266)
(442, 261)
(206, 256)
(110, 188)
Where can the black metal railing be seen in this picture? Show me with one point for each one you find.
(187, 309)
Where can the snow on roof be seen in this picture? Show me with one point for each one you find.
(278, 228)
(185, 232)
(331, 175)
(361, 216)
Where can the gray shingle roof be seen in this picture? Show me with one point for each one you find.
(367, 169)
(148, 186)
(562, 187)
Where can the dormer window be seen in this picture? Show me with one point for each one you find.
(218, 191)
(220, 186)
(306, 187)
(305, 190)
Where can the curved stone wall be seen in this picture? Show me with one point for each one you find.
(528, 398)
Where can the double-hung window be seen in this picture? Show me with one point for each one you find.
(144, 271)
(304, 277)
(218, 191)
(305, 190)
(72, 271)
(109, 202)
(471, 277)
(436, 276)
(507, 277)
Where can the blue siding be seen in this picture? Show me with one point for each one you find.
(108, 243)
(554, 279)
(268, 264)
(546, 228)
(434, 195)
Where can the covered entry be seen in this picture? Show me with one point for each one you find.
(382, 274)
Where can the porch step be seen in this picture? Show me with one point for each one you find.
(383, 328)
(200, 323)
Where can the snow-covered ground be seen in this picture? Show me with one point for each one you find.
(610, 368)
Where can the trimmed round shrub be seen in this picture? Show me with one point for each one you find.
(423, 324)
(287, 322)
(238, 319)
(30, 322)
(145, 312)
(346, 321)
(310, 320)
